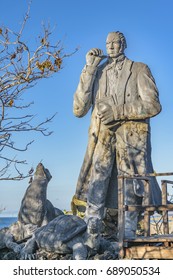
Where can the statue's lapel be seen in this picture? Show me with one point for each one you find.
(122, 80)
(101, 88)
(102, 81)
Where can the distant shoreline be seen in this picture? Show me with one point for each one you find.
(11, 214)
(7, 221)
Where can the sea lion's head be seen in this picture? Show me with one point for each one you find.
(42, 172)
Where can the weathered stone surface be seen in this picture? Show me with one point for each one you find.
(35, 211)
(67, 235)
(2, 235)
(35, 208)
(123, 96)
(62, 235)
(6, 254)
(17, 232)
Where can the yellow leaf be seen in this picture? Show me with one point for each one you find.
(58, 62)
(11, 103)
(43, 41)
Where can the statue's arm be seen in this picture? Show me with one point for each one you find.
(83, 95)
(147, 103)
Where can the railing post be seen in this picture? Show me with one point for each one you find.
(146, 213)
(164, 202)
(121, 219)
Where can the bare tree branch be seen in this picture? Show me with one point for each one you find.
(21, 66)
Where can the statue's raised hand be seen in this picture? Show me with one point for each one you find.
(93, 57)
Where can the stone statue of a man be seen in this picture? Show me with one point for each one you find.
(123, 96)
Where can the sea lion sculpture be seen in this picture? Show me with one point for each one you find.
(35, 211)
(35, 208)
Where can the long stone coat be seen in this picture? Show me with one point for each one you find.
(123, 146)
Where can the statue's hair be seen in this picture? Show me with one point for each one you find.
(122, 38)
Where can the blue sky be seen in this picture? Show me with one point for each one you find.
(148, 28)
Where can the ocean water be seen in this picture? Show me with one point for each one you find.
(7, 221)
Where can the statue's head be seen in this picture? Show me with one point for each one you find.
(115, 44)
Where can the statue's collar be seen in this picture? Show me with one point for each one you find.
(118, 62)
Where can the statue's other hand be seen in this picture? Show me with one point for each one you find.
(93, 57)
(105, 113)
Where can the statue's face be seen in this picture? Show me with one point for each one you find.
(113, 45)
